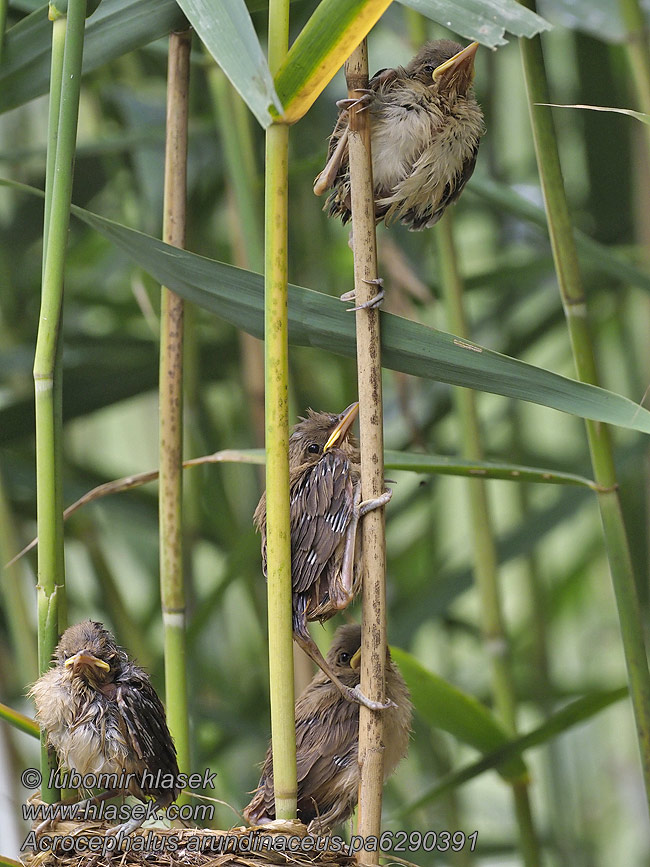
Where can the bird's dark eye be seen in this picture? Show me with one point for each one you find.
(314, 448)
(344, 657)
(429, 68)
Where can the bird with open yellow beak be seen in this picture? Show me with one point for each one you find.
(425, 128)
(327, 740)
(325, 509)
(103, 717)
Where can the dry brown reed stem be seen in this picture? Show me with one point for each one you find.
(172, 588)
(373, 652)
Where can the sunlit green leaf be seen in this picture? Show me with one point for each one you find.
(226, 30)
(322, 47)
(446, 707)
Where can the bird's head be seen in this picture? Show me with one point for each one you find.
(319, 432)
(444, 65)
(89, 651)
(344, 654)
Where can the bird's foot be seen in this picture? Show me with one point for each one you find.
(125, 829)
(363, 101)
(357, 696)
(375, 503)
(46, 825)
(51, 823)
(371, 303)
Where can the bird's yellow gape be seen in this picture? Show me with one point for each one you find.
(347, 418)
(464, 57)
(83, 658)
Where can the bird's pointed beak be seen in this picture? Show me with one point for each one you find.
(460, 66)
(343, 426)
(83, 659)
(355, 662)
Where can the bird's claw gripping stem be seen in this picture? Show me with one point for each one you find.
(371, 303)
(375, 503)
(357, 696)
(362, 101)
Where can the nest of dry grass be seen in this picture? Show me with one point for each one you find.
(282, 843)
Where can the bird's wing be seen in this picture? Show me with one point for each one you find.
(259, 519)
(423, 218)
(337, 155)
(322, 500)
(146, 726)
(326, 740)
(455, 187)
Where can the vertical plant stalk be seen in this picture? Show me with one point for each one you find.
(172, 588)
(242, 173)
(485, 556)
(598, 435)
(67, 51)
(4, 8)
(557, 798)
(638, 52)
(276, 358)
(15, 606)
(373, 639)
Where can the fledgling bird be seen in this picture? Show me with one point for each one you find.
(425, 129)
(103, 716)
(327, 740)
(325, 508)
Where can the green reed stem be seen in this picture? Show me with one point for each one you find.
(276, 346)
(485, 555)
(598, 435)
(67, 51)
(638, 53)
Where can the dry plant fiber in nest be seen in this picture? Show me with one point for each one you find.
(85, 844)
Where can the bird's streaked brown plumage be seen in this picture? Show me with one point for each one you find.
(325, 507)
(327, 741)
(425, 128)
(103, 716)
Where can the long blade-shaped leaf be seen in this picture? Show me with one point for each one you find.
(482, 20)
(327, 39)
(118, 26)
(321, 321)
(446, 707)
(572, 715)
(601, 19)
(454, 466)
(19, 720)
(226, 30)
